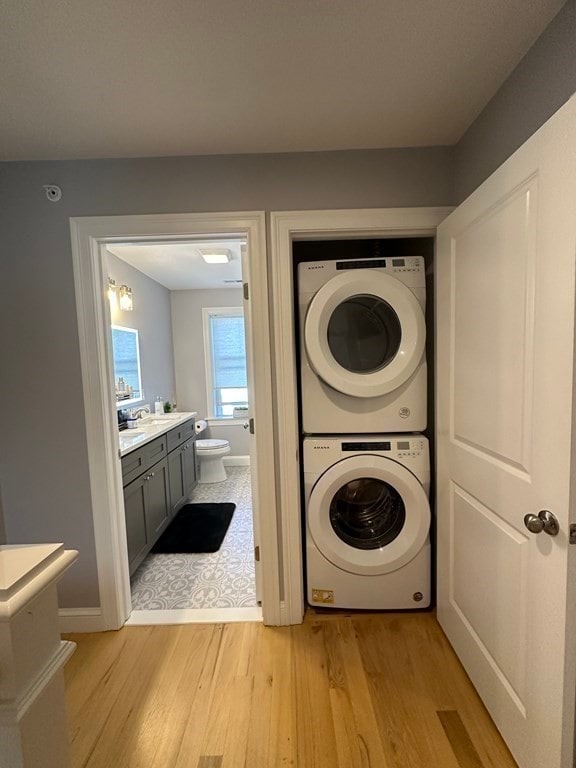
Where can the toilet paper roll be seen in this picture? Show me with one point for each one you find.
(200, 425)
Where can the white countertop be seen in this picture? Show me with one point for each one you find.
(150, 428)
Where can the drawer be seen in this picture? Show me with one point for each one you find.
(180, 434)
(138, 461)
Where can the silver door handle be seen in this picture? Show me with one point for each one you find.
(543, 521)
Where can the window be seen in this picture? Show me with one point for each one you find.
(225, 349)
(126, 354)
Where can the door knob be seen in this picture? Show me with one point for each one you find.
(543, 521)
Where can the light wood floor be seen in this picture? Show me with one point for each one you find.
(339, 691)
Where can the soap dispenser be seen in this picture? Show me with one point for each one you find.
(159, 406)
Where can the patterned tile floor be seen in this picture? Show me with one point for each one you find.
(224, 579)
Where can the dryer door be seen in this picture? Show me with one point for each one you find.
(368, 515)
(364, 333)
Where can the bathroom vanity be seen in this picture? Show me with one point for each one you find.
(159, 473)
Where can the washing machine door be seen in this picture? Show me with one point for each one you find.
(368, 515)
(364, 333)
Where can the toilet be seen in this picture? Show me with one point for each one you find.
(210, 454)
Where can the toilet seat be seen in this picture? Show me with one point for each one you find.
(211, 445)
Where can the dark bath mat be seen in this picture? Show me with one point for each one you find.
(196, 528)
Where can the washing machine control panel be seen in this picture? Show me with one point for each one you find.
(402, 448)
(322, 452)
(367, 445)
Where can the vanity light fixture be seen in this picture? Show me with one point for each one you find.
(119, 296)
(112, 298)
(222, 257)
(125, 294)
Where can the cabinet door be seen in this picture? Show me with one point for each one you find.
(189, 454)
(176, 476)
(157, 500)
(135, 511)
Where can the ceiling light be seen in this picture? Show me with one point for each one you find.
(216, 258)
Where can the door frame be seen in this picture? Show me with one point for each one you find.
(88, 234)
(285, 228)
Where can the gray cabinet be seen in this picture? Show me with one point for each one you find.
(146, 509)
(182, 471)
(179, 434)
(182, 463)
(158, 478)
(138, 461)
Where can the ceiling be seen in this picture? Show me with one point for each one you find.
(135, 78)
(180, 266)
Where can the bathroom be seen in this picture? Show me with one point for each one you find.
(186, 296)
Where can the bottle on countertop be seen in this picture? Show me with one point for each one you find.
(159, 406)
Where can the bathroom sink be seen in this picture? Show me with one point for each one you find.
(153, 422)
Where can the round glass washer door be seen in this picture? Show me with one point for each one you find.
(364, 333)
(368, 515)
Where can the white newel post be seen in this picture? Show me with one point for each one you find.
(33, 728)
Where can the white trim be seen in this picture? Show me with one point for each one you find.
(88, 235)
(285, 227)
(80, 620)
(284, 614)
(194, 616)
(12, 711)
(236, 461)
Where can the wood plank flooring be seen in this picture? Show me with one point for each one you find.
(339, 691)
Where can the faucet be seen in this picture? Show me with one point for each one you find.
(137, 412)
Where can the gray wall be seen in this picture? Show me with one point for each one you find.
(152, 317)
(43, 452)
(543, 81)
(189, 359)
(2, 528)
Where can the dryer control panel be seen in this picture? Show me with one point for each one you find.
(410, 270)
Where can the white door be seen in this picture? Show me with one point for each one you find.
(505, 325)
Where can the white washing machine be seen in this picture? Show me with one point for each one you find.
(363, 337)
(367, 521)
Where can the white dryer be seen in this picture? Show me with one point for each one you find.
(367, 521)
(363, 337)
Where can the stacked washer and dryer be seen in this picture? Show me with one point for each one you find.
(366, 466)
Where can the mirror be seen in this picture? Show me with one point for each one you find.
(127, 375)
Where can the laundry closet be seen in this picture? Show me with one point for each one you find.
(365, 374)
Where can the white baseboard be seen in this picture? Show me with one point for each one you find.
(285, 618)
(80, 620)
(194, 616)
(236, 461)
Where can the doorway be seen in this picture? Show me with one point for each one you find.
(89, 236)
(186, 349)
